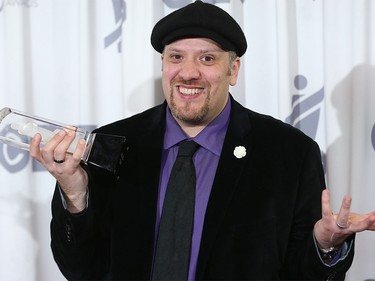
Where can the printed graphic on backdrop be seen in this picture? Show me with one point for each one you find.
(18, 3)
(306, 109)
(119, 9)
(176, 4)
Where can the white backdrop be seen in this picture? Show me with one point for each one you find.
(90, 62)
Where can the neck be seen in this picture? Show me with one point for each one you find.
(192, 130)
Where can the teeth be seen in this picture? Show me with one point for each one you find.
(186, 91)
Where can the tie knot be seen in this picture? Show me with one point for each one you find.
(187, 148)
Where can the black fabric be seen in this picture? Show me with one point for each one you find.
(176, 225)
(259, 219)
(200, 20)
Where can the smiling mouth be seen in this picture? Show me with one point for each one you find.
(189, 91)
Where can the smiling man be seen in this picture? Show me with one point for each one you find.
(196, 78)
(252, 204)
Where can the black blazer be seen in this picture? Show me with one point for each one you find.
(259, 219)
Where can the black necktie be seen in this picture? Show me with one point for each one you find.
(176, 225)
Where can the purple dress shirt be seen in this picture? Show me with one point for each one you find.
(206, 159)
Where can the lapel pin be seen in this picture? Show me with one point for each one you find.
(239, 151)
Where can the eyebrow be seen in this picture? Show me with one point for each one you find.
(203, 51)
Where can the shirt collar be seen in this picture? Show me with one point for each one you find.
(211, 137)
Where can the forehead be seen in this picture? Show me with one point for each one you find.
(194, 44)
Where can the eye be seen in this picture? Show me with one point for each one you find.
(207, 59)
(175, 57)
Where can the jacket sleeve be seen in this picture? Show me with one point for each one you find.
(79, 242)
(303, 258)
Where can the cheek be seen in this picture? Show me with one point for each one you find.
(165, 77)
(168, 74)
(166, 87)
(220, 82)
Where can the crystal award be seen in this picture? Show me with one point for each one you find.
(102, 150)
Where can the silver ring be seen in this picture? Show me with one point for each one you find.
(59, 161)
(340, 225)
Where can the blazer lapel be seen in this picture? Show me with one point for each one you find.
(228, 173)
(149, 157)
(149, 152)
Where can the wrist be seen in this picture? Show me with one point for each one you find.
(328, 254)
(74, 202)
(77, 203)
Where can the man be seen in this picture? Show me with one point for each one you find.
(261, 208)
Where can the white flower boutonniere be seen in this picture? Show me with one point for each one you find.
(239, 151)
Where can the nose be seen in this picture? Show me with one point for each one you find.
(190, 70)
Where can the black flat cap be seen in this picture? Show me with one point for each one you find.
(199, 20)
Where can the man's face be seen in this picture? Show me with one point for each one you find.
(196, 78)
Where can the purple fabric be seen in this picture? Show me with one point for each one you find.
(206, 159)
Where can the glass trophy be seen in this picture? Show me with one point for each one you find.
(102, 150)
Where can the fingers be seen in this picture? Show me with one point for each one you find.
(54, 152)
(55, 149)
(326, 230)
(326, 206)
(81, 145)
(371, 222)
(35, 147)
(333, 229)
(322, 228)
(361, 222)
(342, 219)
(60, 144)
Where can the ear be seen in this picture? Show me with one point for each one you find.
(235, 68)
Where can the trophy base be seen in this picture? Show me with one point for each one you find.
(107, 151)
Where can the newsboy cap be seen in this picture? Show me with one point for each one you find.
(199, 19)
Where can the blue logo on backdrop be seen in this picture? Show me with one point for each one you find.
(306, 110)
(14, 160)
(2, 4)
(119, 8)
(176, 4)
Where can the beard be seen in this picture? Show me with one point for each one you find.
(187, 112)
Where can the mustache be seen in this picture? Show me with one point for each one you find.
(189, 83)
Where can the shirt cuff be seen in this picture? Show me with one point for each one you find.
(342, 253)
